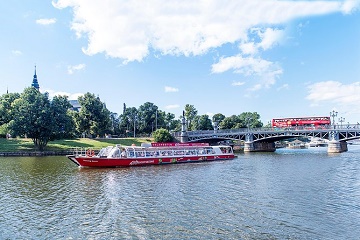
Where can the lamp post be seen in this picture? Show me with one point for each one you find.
(134, 119)
(156, 120)
(248, 119)
(216, 126)
(341, 120)
(333, 114)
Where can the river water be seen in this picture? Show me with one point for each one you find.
(289, 194)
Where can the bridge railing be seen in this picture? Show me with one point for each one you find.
(268, 129)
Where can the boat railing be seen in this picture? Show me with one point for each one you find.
(82, 151)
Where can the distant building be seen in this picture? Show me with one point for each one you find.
(35, 82)
(75, 105)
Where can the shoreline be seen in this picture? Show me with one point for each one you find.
(35, 153)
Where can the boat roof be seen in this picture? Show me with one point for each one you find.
(170, 145)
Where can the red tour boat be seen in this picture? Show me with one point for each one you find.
(151, 154)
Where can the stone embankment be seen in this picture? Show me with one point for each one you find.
(35, 154)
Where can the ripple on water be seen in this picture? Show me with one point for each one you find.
(284, 195)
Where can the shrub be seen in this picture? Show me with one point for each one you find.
(162, 135)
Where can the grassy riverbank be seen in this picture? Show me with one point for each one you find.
(26, 145)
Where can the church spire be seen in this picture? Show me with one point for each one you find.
(35, 83)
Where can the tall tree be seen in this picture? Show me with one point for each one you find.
(230, 122)
(6, 101)
(218, 117)
(94, 117)
(250, 119)
(190, 113)
(33, 117)
(115, 122)
(128, 121)
(202, 122)
(169, 121)
(64, 123)
(148, 117)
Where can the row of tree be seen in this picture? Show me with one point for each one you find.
(34, 115)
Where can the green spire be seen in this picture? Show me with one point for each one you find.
(35, 83)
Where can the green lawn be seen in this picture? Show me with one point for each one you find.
(25, 144)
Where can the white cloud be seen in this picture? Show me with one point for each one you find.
(129, 30)
(350, 5)
(270, 37)
(174, 106)
(249, 48)
(16, 52)
(344, 98)
(256, 87)
(266, 70)
(46, 21)
(238, 83)
(132, 29)
(335, 92)
(72, 69)
(53, 93)
(171, 89)
(284, 86)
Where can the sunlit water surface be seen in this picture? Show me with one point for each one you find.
(289, 194)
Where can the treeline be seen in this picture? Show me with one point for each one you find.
(33, 115)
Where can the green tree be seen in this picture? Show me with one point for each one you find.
(64, 126)
(128, 121)
(190, 113)
(170, 122)
(162, 135)
(176, 125)
(202, 122)
(148, 117)
(218, 117)
(94, 117)
(250, 119)
(230, 122)
(115, 123)
(160, 119)
(6, 107)
(33, 117)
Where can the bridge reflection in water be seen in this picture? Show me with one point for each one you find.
(263, 139)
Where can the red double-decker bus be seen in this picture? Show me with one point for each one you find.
(301, 121)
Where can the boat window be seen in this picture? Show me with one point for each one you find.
(179, 152)
(115, 152)
(150, 153)
(139, 154)
(130, 153)
(105, 151)
(201, 151)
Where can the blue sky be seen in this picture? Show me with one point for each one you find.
(277, 58)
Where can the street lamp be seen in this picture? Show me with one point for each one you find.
(333, 114)
(134, 119)
(248, 119)
(341, 120)
(216, 126)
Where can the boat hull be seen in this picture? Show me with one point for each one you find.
(98, 162)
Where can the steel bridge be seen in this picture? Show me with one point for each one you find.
(263, 139)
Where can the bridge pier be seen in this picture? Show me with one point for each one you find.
(337, 146)
(259, 147)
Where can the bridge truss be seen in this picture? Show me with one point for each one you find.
(272, 135)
